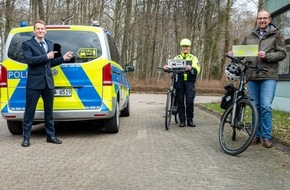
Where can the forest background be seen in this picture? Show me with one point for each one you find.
(147, 32)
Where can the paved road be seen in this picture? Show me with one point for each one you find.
(143, 155)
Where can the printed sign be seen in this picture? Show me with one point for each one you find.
(87, 52)
(245, 50)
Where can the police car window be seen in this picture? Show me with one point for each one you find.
(85, 45)
(15, 47)
(113, 49)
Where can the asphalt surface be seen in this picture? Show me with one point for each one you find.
(143, 155)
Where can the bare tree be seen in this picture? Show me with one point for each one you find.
(147, 31)
(127, 29)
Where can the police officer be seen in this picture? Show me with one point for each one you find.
(185, 85)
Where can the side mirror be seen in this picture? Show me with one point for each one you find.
(129, 68)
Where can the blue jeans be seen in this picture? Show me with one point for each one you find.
(262, 92)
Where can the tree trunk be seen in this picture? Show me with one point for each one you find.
(41, 10)
(127, 28)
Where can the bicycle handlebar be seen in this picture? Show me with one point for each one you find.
(247, 64)
(170, 70)
(234, 59)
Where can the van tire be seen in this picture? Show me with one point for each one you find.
(112, 125)
(126, 111)
(15, 127)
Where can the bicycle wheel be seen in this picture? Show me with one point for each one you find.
(235, 139)
(168, 109)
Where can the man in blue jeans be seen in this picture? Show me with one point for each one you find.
(262, 86)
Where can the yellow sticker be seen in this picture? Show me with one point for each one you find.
(245, 50)
(87, 52)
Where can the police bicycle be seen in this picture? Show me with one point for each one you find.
(175, 66)
(240, 118)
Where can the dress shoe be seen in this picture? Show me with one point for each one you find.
(53, 140)
(191, 124)
(256, 141)
(25, 143)
(267, 143)
(181, 125)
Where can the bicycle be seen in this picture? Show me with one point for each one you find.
(175, 66)
(239, 121)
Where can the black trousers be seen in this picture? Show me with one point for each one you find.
(32, 97)
(185, 91)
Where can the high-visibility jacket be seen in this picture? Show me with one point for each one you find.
(193, 62)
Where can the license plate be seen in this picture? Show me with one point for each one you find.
(62, 92)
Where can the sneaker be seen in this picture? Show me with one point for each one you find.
(191, 124)
(182, 125)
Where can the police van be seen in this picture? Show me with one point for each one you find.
(92, 86)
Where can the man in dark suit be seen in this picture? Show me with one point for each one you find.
(39, 55)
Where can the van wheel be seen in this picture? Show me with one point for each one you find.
(126, 111)
(112, 125)
(15, 127)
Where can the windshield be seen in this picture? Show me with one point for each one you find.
(85, 45)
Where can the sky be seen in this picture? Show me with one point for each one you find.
(247, 5)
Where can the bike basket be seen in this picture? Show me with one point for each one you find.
(227, 98)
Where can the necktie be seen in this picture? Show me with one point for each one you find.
(42, 46)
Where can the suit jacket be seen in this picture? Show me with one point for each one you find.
(39, 66)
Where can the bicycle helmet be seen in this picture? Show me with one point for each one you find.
(233, 72)
(185, 42)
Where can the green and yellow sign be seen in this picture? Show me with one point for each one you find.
(87, 52)
(245, 50)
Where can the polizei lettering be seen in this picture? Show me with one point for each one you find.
(17, 74)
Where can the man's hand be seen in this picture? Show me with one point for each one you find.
(68, 55)
(231, 53)
(261, 54)
(50, 55)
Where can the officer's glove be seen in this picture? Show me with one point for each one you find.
(193, 71)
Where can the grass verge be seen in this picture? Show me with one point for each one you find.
(281, 120)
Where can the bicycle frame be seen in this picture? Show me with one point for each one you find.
(240, 119)
(240, 91)
(173, 81)
(171, 97)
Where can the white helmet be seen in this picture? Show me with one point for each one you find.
(233, 71)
